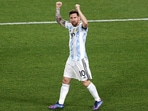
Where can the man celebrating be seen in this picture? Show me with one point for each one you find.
(77, 65)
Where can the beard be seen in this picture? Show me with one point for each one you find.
(75, 23)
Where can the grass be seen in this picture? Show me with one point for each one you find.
(32, 57)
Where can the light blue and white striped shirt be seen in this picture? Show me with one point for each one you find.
(77, 39)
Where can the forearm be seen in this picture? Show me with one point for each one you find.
(59, 18)
(83, 18)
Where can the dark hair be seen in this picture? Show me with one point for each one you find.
(73, 11)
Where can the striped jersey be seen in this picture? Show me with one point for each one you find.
(77, 39)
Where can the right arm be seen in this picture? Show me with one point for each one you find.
(59, 19)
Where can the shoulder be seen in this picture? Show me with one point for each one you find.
(67, 24)
(83, 28)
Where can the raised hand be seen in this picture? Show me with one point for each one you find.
(58, 4)
(77, 6)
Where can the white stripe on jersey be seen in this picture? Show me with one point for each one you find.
(77, 39)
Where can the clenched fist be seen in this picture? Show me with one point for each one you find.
(58, 4)
(77, 6)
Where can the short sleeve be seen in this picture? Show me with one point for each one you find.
(67, 24)
(85, 29)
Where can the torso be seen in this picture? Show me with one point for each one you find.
(77, 39)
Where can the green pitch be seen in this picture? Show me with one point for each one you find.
(32, 57)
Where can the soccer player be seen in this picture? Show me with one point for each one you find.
(77, 65)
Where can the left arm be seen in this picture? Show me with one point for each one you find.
(83, 18)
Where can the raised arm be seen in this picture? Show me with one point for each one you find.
(59, 19)
(83, 18)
